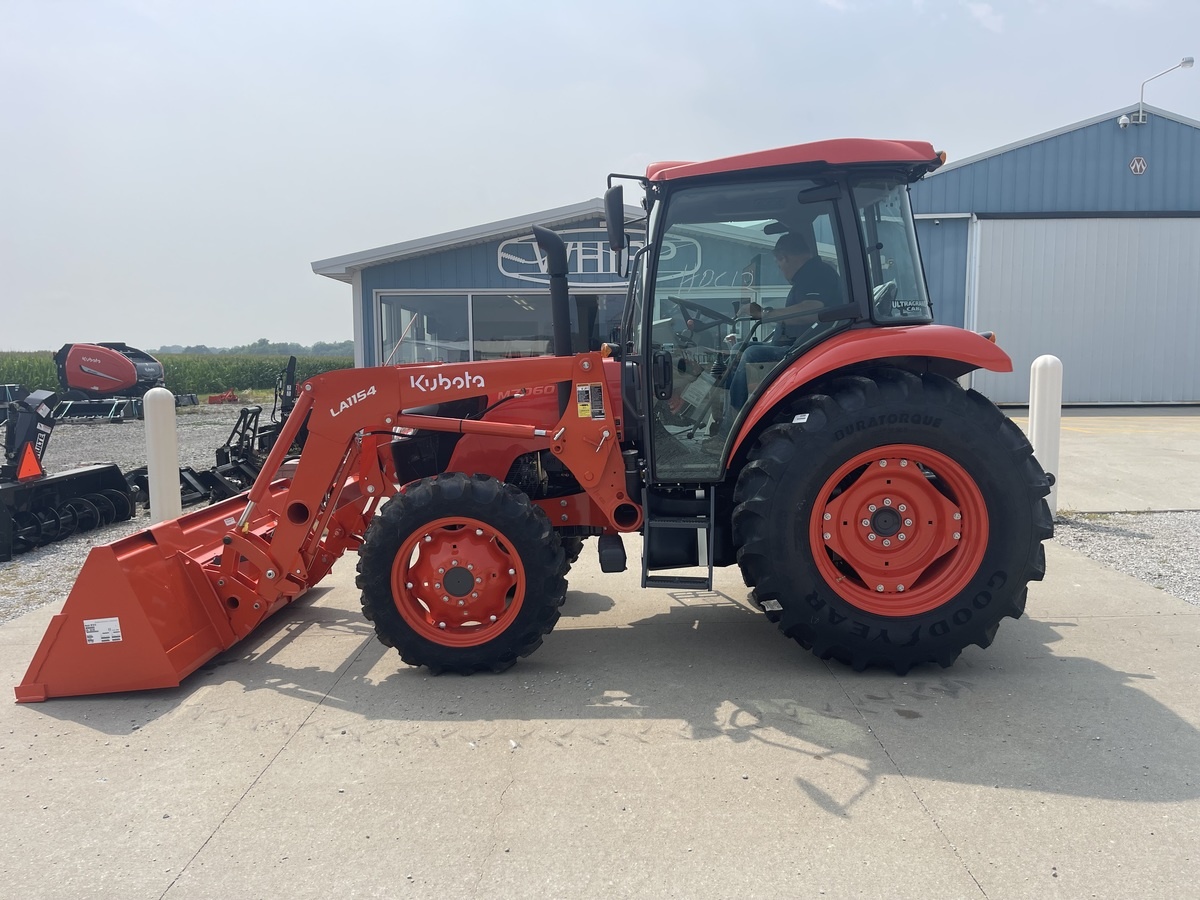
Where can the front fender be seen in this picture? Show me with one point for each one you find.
(961, 350)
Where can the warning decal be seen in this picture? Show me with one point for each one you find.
(102, 631)
(589, 401)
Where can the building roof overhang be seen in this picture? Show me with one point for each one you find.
(343, 268)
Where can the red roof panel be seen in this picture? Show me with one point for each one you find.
(845, 151)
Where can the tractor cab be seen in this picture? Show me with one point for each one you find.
(754, 268)
(744, 274)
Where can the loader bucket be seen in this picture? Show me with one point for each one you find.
(143, 612)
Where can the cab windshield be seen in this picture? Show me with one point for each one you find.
(893, 263)
(740, 273)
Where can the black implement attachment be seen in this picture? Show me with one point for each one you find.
(36, 508)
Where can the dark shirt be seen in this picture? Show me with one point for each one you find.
(815, 280)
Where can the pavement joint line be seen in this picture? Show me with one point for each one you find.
(904, 777)
(257, 778)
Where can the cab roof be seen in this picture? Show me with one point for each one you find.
(834, 153)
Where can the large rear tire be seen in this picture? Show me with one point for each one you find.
(461, 573)
(892, 521)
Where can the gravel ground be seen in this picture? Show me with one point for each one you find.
(1157, 548)
(45, 575)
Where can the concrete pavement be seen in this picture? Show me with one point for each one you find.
(659, 744)
(1127, 459)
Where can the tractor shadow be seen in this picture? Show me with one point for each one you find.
(705, 667)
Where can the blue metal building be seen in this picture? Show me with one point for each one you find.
(1084, 243)
(480, 292)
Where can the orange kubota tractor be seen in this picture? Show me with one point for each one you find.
(803, 421)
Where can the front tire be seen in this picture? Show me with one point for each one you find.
(892, 521)
(461, 573)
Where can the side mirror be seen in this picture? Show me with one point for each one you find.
(614, 215)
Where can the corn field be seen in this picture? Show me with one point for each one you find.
(184, 373)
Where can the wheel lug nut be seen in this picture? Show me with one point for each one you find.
(474, 595)
(866, 522)
(957, 516)
(454, 562)
(902, 536)
(871, 536)
(872, 508)
(437, 585)
(512, 571)
(902, 507)
(491, 618)
(886, 542)
(827, 517)
(957, 535)
(441, 624)
(428, 539)
(478, 532)
(825, 535)
(900, 588)
(409, 585)
(904, 462)
(470, 567)
(441, 571)
(879, 588)
(887, 501)
(478, 580)
(882, 463)
(462, 602)
(908, 523)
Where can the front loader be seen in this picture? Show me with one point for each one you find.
(819, 439)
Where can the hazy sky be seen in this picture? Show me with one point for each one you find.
(170, 170)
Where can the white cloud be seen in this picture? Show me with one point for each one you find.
(985, 15)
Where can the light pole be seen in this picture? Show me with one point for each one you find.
(1186, 63)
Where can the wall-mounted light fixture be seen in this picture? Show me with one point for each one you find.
(1139, 117)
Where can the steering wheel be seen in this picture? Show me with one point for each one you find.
(693, 309)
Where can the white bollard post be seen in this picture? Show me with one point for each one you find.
(1045, 417)
(162, 455)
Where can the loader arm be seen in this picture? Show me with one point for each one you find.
(351, 416)
(149, 609)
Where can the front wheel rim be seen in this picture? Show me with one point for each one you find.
(899, 530)
(458, 582)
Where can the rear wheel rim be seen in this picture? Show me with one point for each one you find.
(899, 530)
(458, 582)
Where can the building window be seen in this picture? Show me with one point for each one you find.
(434, 327)
(423, 328)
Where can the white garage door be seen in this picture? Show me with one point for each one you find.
(1115, 299)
